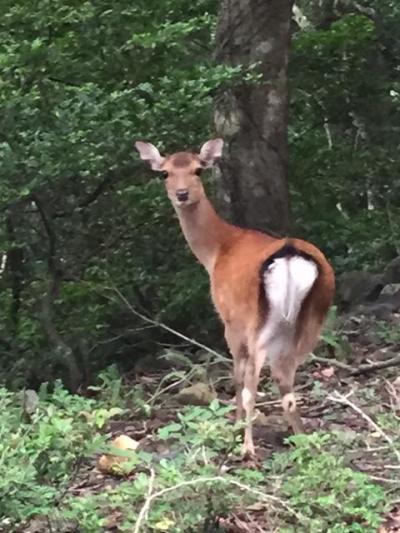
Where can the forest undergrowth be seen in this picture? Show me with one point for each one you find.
(186, 473)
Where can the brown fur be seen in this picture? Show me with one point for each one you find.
(182, 159)
(233, 258)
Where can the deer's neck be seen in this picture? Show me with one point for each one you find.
(204, 231)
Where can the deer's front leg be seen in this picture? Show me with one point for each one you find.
(239, 354)
(249, 393)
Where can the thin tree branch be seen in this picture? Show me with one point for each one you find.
(219, 356)
(51, 236)
(332, 362)
(361, 369)
(108, 180)
(63, 82)
(268, 498)
(339, 398)
(3, 262)
(64, 352)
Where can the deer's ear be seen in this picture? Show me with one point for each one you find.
(210, 152)
(148, 152)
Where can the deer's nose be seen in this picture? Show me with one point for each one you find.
(182, 195)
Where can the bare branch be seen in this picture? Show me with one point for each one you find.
(3, 262)
(62, 350)
(339, 398)
(105, 183)
(219, 356)
(332, 362)
(146, 507)
(267, 498)
(361, 369)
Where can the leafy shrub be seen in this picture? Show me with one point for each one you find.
(331, 495)
(191, 481)
(39, 451)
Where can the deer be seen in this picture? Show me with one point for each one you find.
(272, 294)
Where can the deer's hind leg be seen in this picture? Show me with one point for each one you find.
(283, 372)
(283, 368)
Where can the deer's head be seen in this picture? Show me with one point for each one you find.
(182, 170)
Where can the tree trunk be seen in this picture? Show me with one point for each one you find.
(252, 117)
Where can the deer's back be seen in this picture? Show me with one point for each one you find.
(236, 278)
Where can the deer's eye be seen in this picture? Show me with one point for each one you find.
(198, 171)
(164, 174)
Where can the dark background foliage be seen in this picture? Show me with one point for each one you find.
(81, 216)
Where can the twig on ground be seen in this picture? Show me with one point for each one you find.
(146, 507)
(305, 385)
(361, 369)
(332, 362)
(159, 391)
(151, 496)
(278, 403)
(248, 526)
(339, 398)
(394, 395)
(193, 342)
(385, 480)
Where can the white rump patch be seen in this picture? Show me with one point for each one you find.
(287, 282)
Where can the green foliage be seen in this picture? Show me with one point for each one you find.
(387, 332)
(332, 495)
(389, 422)
(204, 495)
(333, 340)
(204, 427)
(190, 481)
(39, 451)
(79, 84)
(80, 216)
(111, 391)
(343, 140)
(192, 493)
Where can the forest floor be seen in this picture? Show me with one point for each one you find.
(187, 473)
(329, 402)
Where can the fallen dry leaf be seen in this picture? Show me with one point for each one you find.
(324, 373)
(111, 464)
(328, 372)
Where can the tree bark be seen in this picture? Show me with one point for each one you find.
(62, 351)
(252, 117)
